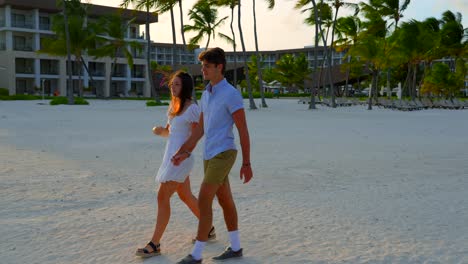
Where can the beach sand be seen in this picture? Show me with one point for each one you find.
(342, 185)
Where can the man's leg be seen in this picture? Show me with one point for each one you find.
(205, 203)
(226, 202)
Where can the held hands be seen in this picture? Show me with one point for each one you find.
(180, 156)
(246, 173)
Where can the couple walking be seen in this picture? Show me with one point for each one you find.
(221, 107)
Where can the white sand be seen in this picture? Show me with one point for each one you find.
(341, 185)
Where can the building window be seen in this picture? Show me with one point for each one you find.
(44, 23)
(25, 66)
(22, 43)
(49, 67)
(21, 21)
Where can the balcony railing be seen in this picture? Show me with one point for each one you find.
(138, 74)
(20, 47)
(119, 74)
(24, 70)
(97, 73)
(45, 26)
(50, 71)
(22, 24)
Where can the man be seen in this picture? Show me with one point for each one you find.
(221, 108)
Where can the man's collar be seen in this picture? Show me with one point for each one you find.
(211, 89)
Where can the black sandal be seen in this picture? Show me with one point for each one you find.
(144, 253)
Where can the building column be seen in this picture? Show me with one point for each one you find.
(9, 41)
(128, 82)
(8, 16)
(62, 82)
(9, 34)
(85, 74)
(36, 19)
(37, 36)
(107, 85)
(147, 87)
(37, 73)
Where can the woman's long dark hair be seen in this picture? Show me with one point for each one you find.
(178, 102)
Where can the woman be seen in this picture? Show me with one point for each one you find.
(183, 116)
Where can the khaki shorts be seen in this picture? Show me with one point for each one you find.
(217, 169)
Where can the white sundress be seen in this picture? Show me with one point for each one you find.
(179, 131)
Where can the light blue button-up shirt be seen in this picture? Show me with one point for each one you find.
(218, 103)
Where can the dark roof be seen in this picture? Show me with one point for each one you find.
(195, 69)
(94, 10)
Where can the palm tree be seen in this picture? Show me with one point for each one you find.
(292, 71)
(370, 50)
(271, 4)
(72, 37)
(146, 5)
(337, 4)
(452, 36)
(377, 52)
(394, 10)
(115, 43)
(231, 4)
(181, 13)
(162, 6)
(247, 76)
(71, 99)
(205, 24)
(347, 31)
(318, 13)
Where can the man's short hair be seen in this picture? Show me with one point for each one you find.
(215, 56)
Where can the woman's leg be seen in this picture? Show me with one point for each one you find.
(185, 194)
(164, 210)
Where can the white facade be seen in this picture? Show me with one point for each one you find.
(25, 71)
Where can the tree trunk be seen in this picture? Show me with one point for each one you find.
(415, 71)
(259, 69)
(249, 86)
(174, 40)
(89, 74)
(372, 89)
(234, 47)
(194, 93)
(148, 58)
(71, 99)
(316, 81)
(330, 61)
(405, 89)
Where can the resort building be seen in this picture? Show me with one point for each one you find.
(270, 57)
(24, 24)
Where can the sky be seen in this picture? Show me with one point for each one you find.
(283, 27)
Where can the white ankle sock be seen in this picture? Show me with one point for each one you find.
(234, 239)
(198, 250)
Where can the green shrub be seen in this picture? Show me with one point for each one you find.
(64, 100)
(4, 92)
(154, 103)
(295, 95)
(245, 95)
(20, 97)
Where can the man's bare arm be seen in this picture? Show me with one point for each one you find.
(239, 119)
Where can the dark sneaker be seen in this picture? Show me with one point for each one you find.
(189, 260)
(211, 236)
(229, 253)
